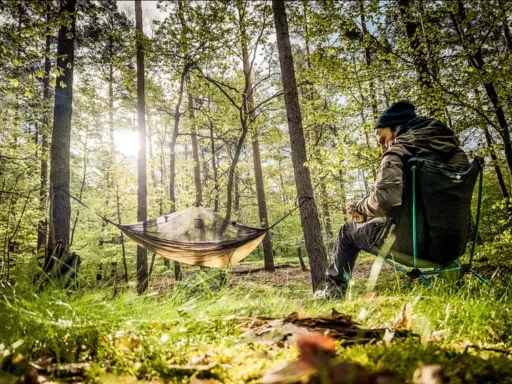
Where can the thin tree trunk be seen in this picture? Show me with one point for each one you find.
(82, 186)
(497, 168)
(167, 262)
(215, 170)
(172, 162)
(123, 250)
(232, 175)
(412, 30)
(112, 160)
(60, 207)
(151, 155)
(142, 257)
(268, 254)
(301, 259)
(195, 148)
(174, 137)
(45, 127)
(368, 59)
(308, 210)
(153, 179)
(343, 195)
(494, 157)
(236, 203)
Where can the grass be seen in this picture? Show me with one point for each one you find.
(158, 337)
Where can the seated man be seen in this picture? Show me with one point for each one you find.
(401, 135)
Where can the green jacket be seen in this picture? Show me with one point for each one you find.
(421, 137)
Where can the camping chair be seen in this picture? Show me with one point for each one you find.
(433, 222)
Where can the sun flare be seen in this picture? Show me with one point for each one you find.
(127, 142)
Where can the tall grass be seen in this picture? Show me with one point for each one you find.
(144, 335)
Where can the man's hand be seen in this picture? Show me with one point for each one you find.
(352, 209)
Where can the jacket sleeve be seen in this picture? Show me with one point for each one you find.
(387, 191)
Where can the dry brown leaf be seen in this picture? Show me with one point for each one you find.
(438, 336)
(369, 296)
(405, 319)
(297, 371)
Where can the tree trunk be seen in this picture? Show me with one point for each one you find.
(195, 149)
(172, 162)
(497, 168)
(142, 192)
(82, 186)
(413, 32)
(174, 137)
(268, 255)
(60, 207)
(494, 157)
(112, 160)
(215, 170)
(236, 203)
(123, 250)
(368, 59)
(45, 127)
(308, 210)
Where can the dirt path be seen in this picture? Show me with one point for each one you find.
(290, 275)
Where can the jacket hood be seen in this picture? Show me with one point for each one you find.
(427, 134)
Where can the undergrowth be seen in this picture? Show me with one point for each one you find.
(161, 336)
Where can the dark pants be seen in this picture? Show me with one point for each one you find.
(353, 238)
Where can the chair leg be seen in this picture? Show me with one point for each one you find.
(425, 281)
(480, 277)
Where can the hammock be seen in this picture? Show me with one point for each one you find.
(196, 236)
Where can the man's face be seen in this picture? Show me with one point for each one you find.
(385, 138)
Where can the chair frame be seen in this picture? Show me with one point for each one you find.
(416, 272)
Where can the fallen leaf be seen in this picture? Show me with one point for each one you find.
(297, 371)
(405, 319)
(438, 336)
(369, 296)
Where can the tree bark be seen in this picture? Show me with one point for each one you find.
(82, 186)
(308, 210)
(412, 30)
(142, 192)
(368, 59)
(42, 228)
(123, 250)
(174, 137)
(268, 254)
(60, 207)
(195, 149)
(215, 170)
(172, 162)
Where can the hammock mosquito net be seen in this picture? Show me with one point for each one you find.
(196, 236)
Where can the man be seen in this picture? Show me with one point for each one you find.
(401, 136)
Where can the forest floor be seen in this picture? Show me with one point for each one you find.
(217, 327)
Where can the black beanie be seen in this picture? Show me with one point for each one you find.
(397, 114)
